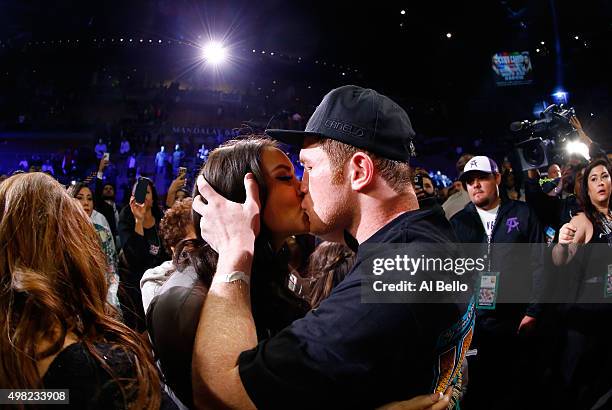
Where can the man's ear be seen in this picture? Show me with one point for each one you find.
(497, 179)
(360, 171)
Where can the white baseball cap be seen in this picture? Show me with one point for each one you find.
(479, 163)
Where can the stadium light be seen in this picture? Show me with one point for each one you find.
(214, 53)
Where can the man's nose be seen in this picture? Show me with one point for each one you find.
(304, 183)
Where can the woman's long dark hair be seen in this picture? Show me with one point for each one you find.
(224, 170)
(274, 305)
(589, 209)
(328, 265)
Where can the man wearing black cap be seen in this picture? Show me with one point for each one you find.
(345, 354)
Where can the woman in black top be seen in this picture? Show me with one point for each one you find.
(586, 356)
(141, 249)
(595, 224)
(57, 328)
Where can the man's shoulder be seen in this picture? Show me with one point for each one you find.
(423, 225)
(467, 212)
(459, 196)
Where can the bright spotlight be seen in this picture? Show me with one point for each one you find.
(214, 53)
(560, 96)
(577, 147)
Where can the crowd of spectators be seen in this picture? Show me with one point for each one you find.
(124, 282)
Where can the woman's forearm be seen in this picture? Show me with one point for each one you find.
(562, 254)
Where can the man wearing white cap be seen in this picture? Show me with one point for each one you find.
(504, 331)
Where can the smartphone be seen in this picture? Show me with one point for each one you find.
(141, 191)
(107, 156)
(418, 181)
(182, 172)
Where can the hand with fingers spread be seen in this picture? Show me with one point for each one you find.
(578, 127)
(227, 225)
(575, 122)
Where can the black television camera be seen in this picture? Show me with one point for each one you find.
(554, 121)
(541, 136)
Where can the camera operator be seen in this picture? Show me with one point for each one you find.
(554, 211)
(595, 151)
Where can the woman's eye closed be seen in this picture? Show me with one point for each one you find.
(285, 178)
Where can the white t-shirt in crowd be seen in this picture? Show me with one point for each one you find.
(488, 218)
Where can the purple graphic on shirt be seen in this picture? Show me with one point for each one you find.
(512, 223)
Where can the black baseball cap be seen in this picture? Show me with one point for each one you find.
(360, 117)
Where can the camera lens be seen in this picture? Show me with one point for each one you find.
(533, 152)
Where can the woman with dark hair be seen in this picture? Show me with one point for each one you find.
(595, 224)
(58, 330)
(142, 249)
(173, 314)
(585, 355)
(274, 305)
(83, 194)
(327, 266)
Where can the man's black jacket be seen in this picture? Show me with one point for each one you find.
(516, 223)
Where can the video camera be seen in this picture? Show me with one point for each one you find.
(540, 137)
(554, 121)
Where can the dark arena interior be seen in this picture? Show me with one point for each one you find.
(232, 204)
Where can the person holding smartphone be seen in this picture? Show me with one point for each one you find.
(176, 186)
(142, 248)
(425, 191)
